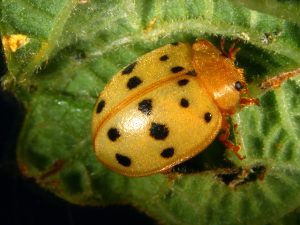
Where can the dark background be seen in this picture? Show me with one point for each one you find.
(23, 202)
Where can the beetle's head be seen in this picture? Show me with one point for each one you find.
(217, 72)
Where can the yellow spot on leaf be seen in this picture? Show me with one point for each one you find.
(13, 42)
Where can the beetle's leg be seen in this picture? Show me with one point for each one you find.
(276, 81)
(223, 137)
(244, 101)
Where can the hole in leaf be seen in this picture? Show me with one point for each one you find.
(239, 176)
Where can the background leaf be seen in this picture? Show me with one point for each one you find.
(75, 48)
(287, 9)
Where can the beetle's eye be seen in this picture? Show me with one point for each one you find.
(238, 86)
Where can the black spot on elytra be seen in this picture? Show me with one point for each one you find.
(133, 82)
(207, 117)
(113, 134)
(191, 73)
(145, 106)
(100, 106)
(177, 69)
(175, 43)
(164, 58)
(123, 160)
(182, 82)
(129, 68)
(167, 153)
(184, 103)
(159, 131)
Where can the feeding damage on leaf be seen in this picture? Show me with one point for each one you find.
(239, 176)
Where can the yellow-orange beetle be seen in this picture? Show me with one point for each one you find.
(166, 107)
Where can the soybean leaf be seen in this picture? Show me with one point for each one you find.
(69, 51)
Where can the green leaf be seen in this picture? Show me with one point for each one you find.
(73, 51)
(287, 9)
